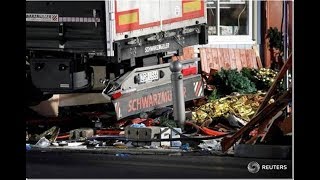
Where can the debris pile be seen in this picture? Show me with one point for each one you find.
(243, 107)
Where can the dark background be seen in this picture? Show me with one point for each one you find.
(12, 88)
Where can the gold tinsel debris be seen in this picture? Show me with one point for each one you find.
(242, 106)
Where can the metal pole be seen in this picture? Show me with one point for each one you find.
(177, 93)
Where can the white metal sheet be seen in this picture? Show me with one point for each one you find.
(171, 9)
(156, 15)
(149, 11)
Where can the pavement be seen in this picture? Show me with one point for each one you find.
(146, 163)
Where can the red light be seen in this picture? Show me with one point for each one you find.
(116, 95)
(189, 71)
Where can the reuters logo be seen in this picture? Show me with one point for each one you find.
(253, 167)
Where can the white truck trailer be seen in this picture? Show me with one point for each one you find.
(133, 40)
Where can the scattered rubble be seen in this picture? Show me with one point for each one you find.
(242, 106)
(215, 124)
(211, 144)
(43, 142)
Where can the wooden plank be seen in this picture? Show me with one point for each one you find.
(265, 114)
(217, 58)
(232, 59)
(212, 65)
(243, 58)
(215, 55)
(208, 55)
(286, 125)
(238, 59)
(227, 63)
(273, 87)
(253, 59)
(209, 58)
(185, 52)
(264, 128)
(221, 58)
(203, 60)
(190, 52)
(248, 58)
(48, 108)
(81, 99)
(259, 63)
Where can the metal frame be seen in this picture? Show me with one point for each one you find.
(233, 39)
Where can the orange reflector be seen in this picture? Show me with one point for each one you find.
(128, 18)
(192, 6)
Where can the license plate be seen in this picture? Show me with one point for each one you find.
(148, 76)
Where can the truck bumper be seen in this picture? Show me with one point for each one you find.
(155, 97)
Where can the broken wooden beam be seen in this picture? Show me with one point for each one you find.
(268, 112)
(273, 87)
